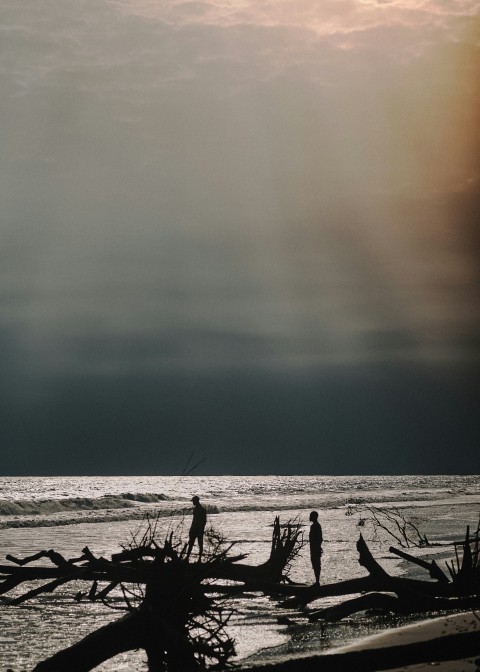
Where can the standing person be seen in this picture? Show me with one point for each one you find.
(197, 527)
(315, 538)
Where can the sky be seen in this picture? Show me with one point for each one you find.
(243, 229)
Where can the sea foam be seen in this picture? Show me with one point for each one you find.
(33, 507)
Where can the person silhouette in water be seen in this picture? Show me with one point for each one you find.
(315, 539)
(197, 527)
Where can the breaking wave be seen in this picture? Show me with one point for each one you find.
(34, 507)
(74, 510)
(98, 516)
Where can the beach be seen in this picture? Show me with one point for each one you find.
(449, 643)
(426, 631)
(244, 512)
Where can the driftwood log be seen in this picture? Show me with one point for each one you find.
(175, 599)
(394, 594)
(401, 595)
(178, 596)
(398, 595)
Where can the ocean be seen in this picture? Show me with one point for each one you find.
(68, 513)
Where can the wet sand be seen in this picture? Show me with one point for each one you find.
(450, 643)
(425, 631)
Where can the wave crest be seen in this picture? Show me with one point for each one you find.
(33, 507)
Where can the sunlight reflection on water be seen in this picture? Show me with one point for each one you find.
(54, 621)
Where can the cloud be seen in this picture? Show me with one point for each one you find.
(264, 178)
(265, 209)
(320, 16)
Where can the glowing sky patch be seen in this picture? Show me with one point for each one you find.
(284, 170)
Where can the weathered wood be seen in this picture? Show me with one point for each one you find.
(175, 593)
(44, 588)
(9, 584)
(263, 577)
(411, 596)
(113, 572)
(382, 601)
(122, 635)
(244, 573)
(102, 594)
(174, 597)
(377, 580)
(397, 604)
(432, 567)
(55, 557)
(367, 560)
(32, 573)
(303, 595)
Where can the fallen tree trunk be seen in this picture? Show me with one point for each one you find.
(383, 601)
(408, 596)
(378, 580)
(176, 623)
(303, 595)
(432, 567)
(393, 604)
(102, 644)
(175, 592)
(140, 565)
(141, 629)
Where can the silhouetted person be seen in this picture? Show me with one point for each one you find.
(197, 527)
(315, 538)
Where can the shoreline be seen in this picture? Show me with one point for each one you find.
(266, 631)
(450, 642)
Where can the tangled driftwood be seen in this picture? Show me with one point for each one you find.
(180, 619)
(397, 594)
(178, 622)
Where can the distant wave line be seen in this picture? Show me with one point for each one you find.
(32, 507)
(124, 508)
(143, 501)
